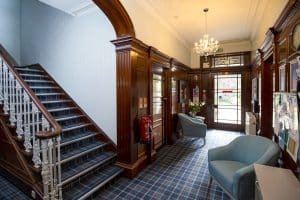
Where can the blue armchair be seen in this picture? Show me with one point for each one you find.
(192, 127)
(231, 166)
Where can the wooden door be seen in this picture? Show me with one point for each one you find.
(158, 110)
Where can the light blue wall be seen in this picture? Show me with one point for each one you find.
(10, 27)
(78, 53)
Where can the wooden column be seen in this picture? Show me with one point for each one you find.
(266, 54)
(267, 101)
(132, 102)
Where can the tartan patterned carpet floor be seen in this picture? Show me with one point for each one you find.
(180, 172)
(8, 191)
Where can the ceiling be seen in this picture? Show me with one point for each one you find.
(73, 7)
(227, 20)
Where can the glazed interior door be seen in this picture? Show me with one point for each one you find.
(227, 100)
(158, 111)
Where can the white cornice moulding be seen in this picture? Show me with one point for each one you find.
(260, 9)
(84, 8)
(73, 7)
(153, 12)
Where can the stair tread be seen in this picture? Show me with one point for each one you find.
(56, 101)
(61, 108)
(77, 152)
(34, 75)
(67, 117)
(28, 69)
(76, 137)
(48, 94)
(92, 162)
(75, 126)
(93, 183)
(44, 87)
(39, 81)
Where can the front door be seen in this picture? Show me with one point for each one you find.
(227, 100)
(158, 110)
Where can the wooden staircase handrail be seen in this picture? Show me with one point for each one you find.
(43, 135)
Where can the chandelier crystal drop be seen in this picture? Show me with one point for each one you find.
(206, 45)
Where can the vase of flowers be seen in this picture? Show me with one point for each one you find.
(195, 107)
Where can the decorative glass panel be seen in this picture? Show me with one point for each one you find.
(235, 60)
(228, 61)
(221, 61)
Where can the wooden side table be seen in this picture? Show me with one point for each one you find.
(274, 183)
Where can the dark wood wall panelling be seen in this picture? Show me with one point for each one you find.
(136, 62)
(275, 53)
(204, 79)
(134, 65)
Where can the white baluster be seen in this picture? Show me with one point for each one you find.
(59, 189)
(55, 167)
(5, 88)
(27, 134)
(36, 142)
(45, 124)
(45, 169)
(1, 81)
(12, 102)
(52, 171)
(19, 109)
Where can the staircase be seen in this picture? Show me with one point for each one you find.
(68, 153)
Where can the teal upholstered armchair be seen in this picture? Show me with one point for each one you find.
(231, 166)
(192, 127)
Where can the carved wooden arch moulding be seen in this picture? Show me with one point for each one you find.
(118, 16)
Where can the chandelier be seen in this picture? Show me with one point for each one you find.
(206, 45)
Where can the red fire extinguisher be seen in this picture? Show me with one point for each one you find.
(145, 129)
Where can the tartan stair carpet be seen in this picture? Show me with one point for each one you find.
(87, 161)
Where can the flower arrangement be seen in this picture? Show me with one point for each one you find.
(195, 107)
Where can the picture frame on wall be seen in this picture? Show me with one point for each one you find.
(183, 91)
(294, 65)
(282, 78)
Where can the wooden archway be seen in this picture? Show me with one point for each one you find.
(118, 16)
